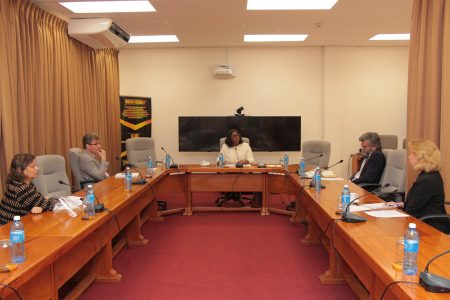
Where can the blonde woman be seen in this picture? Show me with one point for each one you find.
(426, 196)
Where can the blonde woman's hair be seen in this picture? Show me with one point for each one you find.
(427, 153)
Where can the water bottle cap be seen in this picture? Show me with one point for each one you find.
(346, 186)
(16, 218)
(128, 168)
(412, 225)
(89, 186)
(302, 158)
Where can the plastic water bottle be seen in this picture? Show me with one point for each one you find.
(345, 197)
(286, 161)
(167, 161)
(127, 180)
(301, 167)
(17, 237)
(90, 202)
(149, 171)
(221, 160)
(411, 248)
(317, 179)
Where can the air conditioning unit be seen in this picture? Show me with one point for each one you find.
(223, 72)
(98, 33)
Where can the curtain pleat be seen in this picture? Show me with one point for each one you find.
(429, 79)
(53, 88)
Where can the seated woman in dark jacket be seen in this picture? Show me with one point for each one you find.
(21, 196)
(426, 196)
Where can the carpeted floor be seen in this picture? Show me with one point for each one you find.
(221, 256)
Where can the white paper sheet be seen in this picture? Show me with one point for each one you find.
(386, 214)
(372, 206)
(122, 175)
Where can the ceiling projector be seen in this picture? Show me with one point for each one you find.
(223, 72)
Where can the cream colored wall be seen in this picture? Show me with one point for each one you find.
(364, 90)
(313, 82)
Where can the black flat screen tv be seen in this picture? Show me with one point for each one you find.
(202, 134)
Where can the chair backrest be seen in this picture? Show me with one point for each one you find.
(404, 143)
(314, 148)
(395, 170)
(73, 157)
(389, 141)
(52, 169)
(222, 141)
(139, 149)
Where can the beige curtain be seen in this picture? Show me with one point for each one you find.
(53, 88)
(429, 79)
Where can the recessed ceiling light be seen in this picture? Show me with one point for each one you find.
(153, 39)
(289, 4)
(108, 6)
(275, 37)
(391, 37)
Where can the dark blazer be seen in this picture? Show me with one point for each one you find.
(426, 197)
(373, 169)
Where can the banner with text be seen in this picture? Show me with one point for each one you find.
(135, 119)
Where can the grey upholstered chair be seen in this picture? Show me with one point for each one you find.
(139, 149)
(52, 169)
(314, 148)
(395, 171)
(222, 141)
(389, 141)
(73, 157)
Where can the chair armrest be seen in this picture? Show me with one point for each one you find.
(436, 216)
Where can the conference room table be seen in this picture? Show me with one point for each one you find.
(60, 248)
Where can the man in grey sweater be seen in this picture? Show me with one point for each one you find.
(92, 160)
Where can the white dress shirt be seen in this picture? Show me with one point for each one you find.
(234, 154)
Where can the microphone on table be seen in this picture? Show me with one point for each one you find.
(135, 168)
(311, 158)
(312, 183)
(173, 165)
(352, 218)
(99, 207)
(339, 162)
(238, 164)
(434, 283)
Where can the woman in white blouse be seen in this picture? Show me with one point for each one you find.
(235, 150)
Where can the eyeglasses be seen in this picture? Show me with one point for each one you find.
(95, 144)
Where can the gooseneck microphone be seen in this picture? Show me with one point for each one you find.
(135, 168)
(434, 283)
(173, 165)
(311, 158)
(238, 164)
(339, 162)
(99, 207)
(352, 218)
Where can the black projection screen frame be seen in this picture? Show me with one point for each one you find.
(266, 133)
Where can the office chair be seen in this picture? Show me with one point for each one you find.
(389, 141)
(139, 149)
(73, 157)
(314, 148)
(235, 196)
(441, 217)
(52, 168)
(392, 183)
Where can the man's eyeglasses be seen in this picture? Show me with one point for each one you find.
(95, 144)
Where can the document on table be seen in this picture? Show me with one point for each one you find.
(372, 206)
(386, 214)
(122, 175)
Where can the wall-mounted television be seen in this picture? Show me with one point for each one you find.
(202, 134)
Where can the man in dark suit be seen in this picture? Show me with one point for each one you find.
(373, 163)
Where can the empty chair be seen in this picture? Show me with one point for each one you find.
(139, 149)
(394, 176)
(52, 169)
(389, 141)
(314, 148)
(73, 158)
